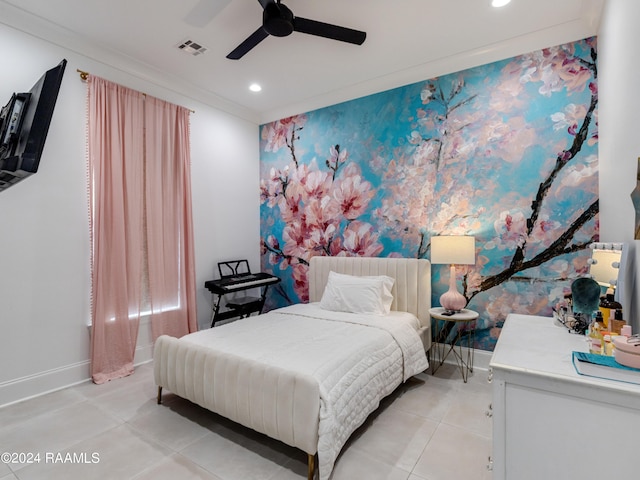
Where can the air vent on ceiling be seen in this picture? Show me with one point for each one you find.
(191, 47)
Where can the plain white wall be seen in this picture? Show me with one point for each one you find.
(619, 135)
(44, 273)
(44, 233)
(226, 192)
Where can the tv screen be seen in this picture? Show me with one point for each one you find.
(24, 124)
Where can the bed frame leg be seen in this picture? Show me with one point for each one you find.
(159, 395)
(311, 461)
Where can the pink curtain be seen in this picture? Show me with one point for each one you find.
(169, 220)
(141, 226)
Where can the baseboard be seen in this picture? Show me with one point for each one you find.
(143, 354)
(42, 383)
(481, 359)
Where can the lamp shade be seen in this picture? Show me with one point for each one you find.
(453, 250)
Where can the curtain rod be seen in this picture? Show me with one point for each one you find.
(84, 75)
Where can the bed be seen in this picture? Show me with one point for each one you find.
(310, 374)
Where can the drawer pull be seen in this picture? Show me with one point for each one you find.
(489, 413)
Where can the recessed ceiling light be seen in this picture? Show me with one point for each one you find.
(254, 87)
(499, 3)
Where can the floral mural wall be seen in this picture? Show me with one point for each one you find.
(506, 152)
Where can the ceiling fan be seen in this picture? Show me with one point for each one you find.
(278, 20)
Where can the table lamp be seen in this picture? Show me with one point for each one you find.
(453, 250)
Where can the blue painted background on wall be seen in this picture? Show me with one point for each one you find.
(506, 152)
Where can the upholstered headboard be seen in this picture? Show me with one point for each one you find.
(411, 290)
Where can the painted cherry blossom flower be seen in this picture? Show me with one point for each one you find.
(569, 119)
(294, 237)
(300, 283)
(277, 134)
(427, 93)
(541, 232)
(291, 206)
(557, 68)
(317, 184)
(511, 228)
(360, 240)
(336, 158)
(352, 195)
(321, 238)
(272, 247)
(273, 187)
(581, 175)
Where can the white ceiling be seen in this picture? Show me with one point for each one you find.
(407, 41)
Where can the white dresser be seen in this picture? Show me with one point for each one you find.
(549, 422)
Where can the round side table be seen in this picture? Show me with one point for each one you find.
(464, 323)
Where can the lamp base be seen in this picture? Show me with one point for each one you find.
(452, 300)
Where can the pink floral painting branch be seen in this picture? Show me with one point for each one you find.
(564, 243)
(320, 209)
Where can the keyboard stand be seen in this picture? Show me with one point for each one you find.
(240, 306)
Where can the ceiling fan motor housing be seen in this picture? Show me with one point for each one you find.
(277, 20)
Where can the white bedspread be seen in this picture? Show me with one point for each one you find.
(356, 359)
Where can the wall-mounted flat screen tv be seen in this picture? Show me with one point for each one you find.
(24, 124)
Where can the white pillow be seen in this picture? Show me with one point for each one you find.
(349, 293)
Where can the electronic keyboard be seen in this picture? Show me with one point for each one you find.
(242, 281)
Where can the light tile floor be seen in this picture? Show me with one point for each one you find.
(431, 428)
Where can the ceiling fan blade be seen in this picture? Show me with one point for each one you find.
(328, 30)
(205, 11)
(264, 3)
(254, 39)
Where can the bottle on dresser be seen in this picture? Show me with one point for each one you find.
(595, 337)
(616, 322)
(608, 304)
